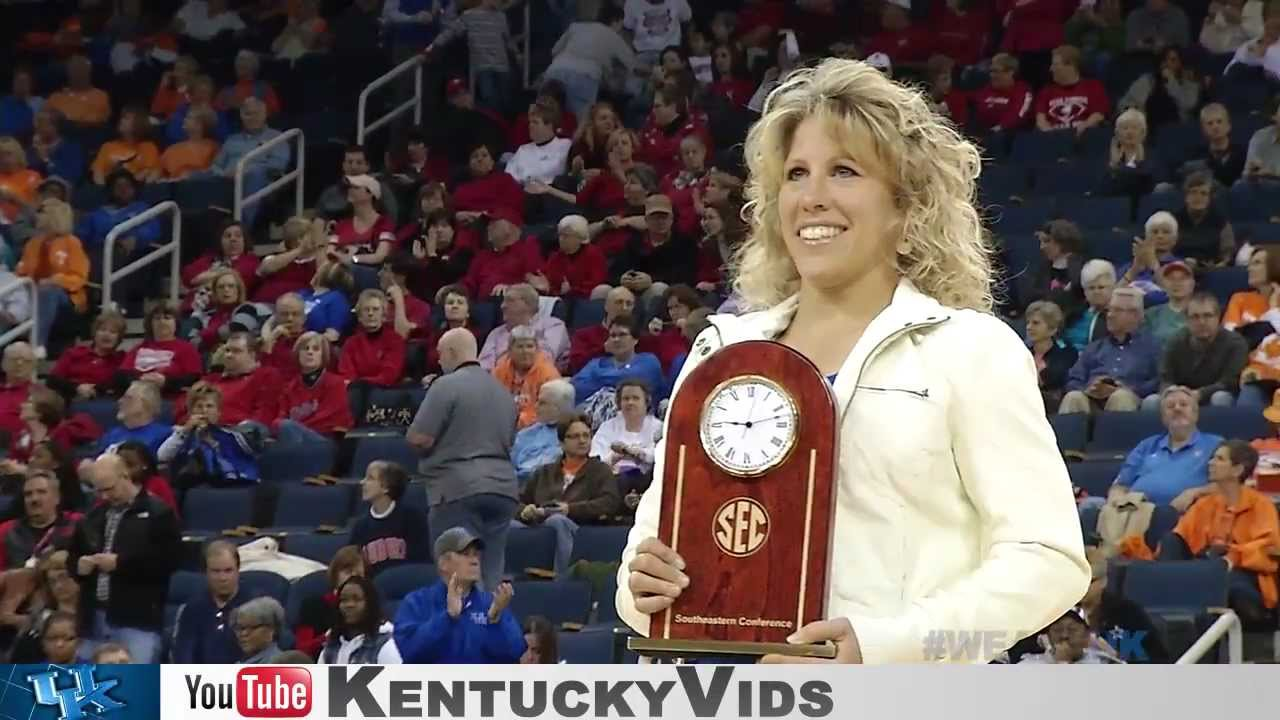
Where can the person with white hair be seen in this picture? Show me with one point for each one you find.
(1098, 278)
(254, 134)
(258, 625)
(538, 444)
(1151, 253)
(578, 269)
(520, 306)
(1117, 371)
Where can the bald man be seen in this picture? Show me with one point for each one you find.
(123, 553)
(464, 430)
(588, 342)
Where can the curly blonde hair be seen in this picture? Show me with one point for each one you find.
(889, 129)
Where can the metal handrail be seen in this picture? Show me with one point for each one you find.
(29, 326)
(1227, 624)
(170, 249)
(363, 128)
(300, 163)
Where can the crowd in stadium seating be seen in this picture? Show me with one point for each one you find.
(494, 303)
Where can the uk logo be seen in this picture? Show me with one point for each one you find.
(88, 698)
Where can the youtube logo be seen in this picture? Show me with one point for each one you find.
(273, 692)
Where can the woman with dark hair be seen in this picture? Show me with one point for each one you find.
(86, 371)
(1057, 276)
(1171, 94)
(132, 151)
(437, 259)
(540, 646)
(319, 613)
(54, 457)
(612, 233)
(665, 338)
(362, 635)
(590, 144)
(457, 313)
(722, 233)
(57, 595)
(488, 191)
(163, 358)
(145, 473)
(232, 252)
(431, 198)
(732, 81)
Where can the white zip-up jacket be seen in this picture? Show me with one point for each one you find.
(954, 511)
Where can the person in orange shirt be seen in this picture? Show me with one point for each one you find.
(80, 102)
(133, 151)
(248, 85)
(196, 153)
(1239, 525)
(175, 87)
(18, 183)
(522, 370)
(56, 260)
(1248, 306)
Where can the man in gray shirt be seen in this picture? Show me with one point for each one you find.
(465, 429)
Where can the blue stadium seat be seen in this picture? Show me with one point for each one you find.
(102, 411)
(309, 506)
(1190, 586)
(605, 601)
(1163, 521)
(1257, 233)
(1095, 143)
(262, 583)
(1116, 433)
(587, 313)
(1253, 202)
(560, 602)
(200, 194)
(1111, 243)
(1021, 219)
(1223, 282)
(999, 183)
(184, 585)
(1168, 200)
(599, 543)
(206, 508)
(1035, 148)
(484, 314)
(1021, 256)
(1073, 178)
(384, 445)
(589, 646)
(1072, 431)
(530, 548)
(88, 197)
(282, 464)
(315, 546)
(1102, 212)
(1095, 476)
(314, 584)
(398, 581)
(1234, 422)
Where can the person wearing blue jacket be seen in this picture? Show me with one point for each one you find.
(453, 620)
(202, 451)
(621, 362)
(122, 206)
(327, 307)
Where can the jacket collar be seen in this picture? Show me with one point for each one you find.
(908, 311)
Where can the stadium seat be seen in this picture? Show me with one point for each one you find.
(1102, 212)
(384, 445)
(589, 646)
(1148, 205)
(1031, 149)
(586, 313)
(312, 585)
(1163, 521)
(262, 583)
(605, 601)
(563, 601)
(1223, 282)
(1257, 233)
(309, 506)
(102, 411)
(1095, 476)
(1095, 143)
(1116, 433)
(184, 585)
(282, 464)
(1072, 431)
(200, 194)
(484, 315)
(530, 548)
(1234, 422)
(1021, 219)
(1073, 179)
(1112, 243)
(407, 398)
(999, 183)
(398, 581)
(217, 509)
(1193, 585)
(315, 546)
(599, 543)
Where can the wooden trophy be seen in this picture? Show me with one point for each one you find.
(748, 497)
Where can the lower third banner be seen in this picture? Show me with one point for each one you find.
(75, 692)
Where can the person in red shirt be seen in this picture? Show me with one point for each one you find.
(291, 271)
(87, 371)
(508, 260)
(666, 338)
(906, 44)
(374, 354)
(408, 313)
(731, 79)
(211, 320)
(688, 183)
(163, 358)
(759, 22)
(241, 381)
(281, 332)
(588, 342)
(365, 239)
(143, 470)
(604, 192)
(19, 367)
(313, 406)
(230, 253)
(722, 232)
(947, 100)
(962, 30)
(44, 416)
(457, 314)
(613, 233)
(1005, 104)
(1070, 101)
(577, 269)
(669, 124)
(489, 192)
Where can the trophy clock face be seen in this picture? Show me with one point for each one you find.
(748, 425)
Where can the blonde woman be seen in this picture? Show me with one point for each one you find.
(56, 261)
(869, 258)
(1132, 168)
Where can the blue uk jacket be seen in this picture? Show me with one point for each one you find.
(425, 633)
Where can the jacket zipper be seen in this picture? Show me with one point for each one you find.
(890, 337)
(918, 393)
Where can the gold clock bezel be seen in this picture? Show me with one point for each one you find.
(792, 439)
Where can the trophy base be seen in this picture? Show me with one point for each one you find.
(681, 648)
